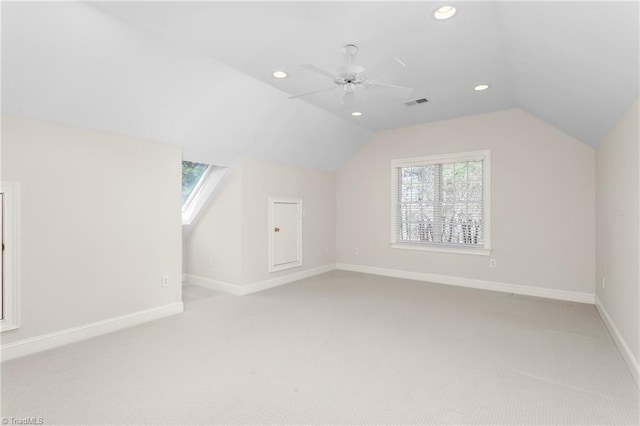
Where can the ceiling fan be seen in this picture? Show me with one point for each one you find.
(352, 76)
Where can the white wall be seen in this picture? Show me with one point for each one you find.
(233, 230)
(543, 195)
(213, 247)
(101, 225)
(262, 179)
(618, 228)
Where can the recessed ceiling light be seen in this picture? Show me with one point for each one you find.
(356, 113)
(444, 12)
(280, 74)
(481, 87)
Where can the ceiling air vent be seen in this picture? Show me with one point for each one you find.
(417, 102)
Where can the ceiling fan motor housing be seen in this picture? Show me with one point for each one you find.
(350, 73)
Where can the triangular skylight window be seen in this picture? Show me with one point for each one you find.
(192, 175)
(199, 181)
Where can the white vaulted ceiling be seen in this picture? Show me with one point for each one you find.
(71, 63)
(199, 73)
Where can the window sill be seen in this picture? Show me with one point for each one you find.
(442, 249)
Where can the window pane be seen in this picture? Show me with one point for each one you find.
(462, 203)
(416, 203)
(441, 203)
(191, 175)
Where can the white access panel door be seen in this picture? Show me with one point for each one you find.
(285, 232)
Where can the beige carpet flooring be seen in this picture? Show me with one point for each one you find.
(339, 348)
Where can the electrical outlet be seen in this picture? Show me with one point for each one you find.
(356, 251)
(165, 281)
(492, 263)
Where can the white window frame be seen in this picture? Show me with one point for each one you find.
(202, 192)
(485, 156)
(11, 266)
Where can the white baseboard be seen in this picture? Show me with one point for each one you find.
(571, 296)
(241, 290)
(625, 351)
(43, 342)
(286, 279)
(213, 284)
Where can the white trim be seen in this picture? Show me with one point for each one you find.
(213, 284)
(571, 296)
(394, 205)
(439, 158)
(242, 290)
(272, 267)
(485, 156)
(443, 248)
(63, 337)
(11, 266)
(625, 351)
(286, 279)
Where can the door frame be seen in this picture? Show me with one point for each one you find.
(284, 200)
(11, 260)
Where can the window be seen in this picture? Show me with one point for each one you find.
(442, 203)
(199, 182)
(192, 175)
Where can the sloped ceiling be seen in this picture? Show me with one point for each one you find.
(74, 64)
(199, 74)
(573, 64)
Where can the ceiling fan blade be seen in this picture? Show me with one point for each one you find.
(314, 91)
(321, 71)
(386, 66)
(390, 89)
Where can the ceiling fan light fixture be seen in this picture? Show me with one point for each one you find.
(280, 74)
(444, 12)
(356, 113)
(481, 87)
(349, 88)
